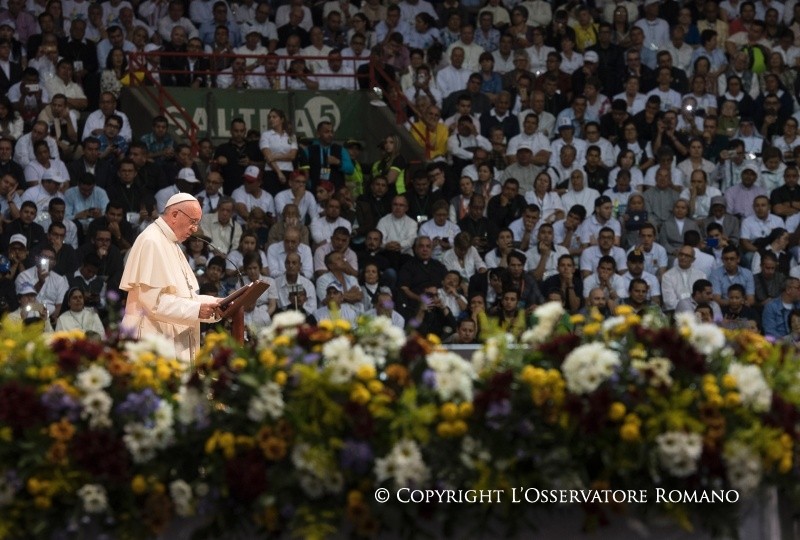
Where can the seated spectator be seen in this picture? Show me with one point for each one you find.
(30, 310)
(276, 254)
(677, 284)
(736, 314)
(10, 120)
(113, 146)
(96, 121)
(639, 298)
(24, 151)
(78, 316)
(259, 314)
(333, 307)
(25, 225)
(51, 287)
(775, 319)
(567, 284)
(92, 285)
(729, 273)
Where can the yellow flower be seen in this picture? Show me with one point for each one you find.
(212, 442)
(786, 441)
(577, 319)
(62, 430)
(43, 503)
(638, 351)
(6, 434)
(732, 399)
(591, 329)
(48, 373)
(9, 343)
(434, 339)
(459, 428)
(444, 430)
(267, 358)
(616, 412)
(449, 411)
(633, 419)
(375, 387)
(596, 316)
(159, 488)
(138, 484)
(32, 372)
(632, 320)
(786, 464)
(359, 394)
(281, 341)
(327, 324)
(34, 486)
(629, 432)
(226, 441)
(729, 381)
(365, 372)
(342, 324)
(774, 450)
(465, 409)
(624, 310)
(238, 363)
(354, 497)
(163, 372)
(280, 378)
(715, 400)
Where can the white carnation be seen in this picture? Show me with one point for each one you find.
(285, 322)
(344, 359)
(743, 467)
(96, 408)
(94, 499)
(707, 338)
(93, 379)
(454, 375)
(656, 370)
(404, 464)
(679, 452)
(589, 366)
(181, 493)
(753, 388)
(152, 342)
(192, 406)
(267, 402)
(380, 338)
(547, 316)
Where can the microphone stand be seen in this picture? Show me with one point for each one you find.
(224, 255)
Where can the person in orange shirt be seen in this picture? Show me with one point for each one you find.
(431, 133)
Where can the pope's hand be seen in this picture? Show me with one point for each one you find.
(208, 311)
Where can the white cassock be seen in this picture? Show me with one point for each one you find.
(162, 291)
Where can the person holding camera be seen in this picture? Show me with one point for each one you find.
(50, 286)
(30, 310)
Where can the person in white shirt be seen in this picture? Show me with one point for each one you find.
(220, 226)
(291, 281)
(50, 286)
(340, 241)
(606, 278)
(175, 17)
(532, 138)
(677, 282)
(250, 195)
(252, 48)
(605, 246)
(335, 75)
(96, 121)
(439, 229)
(277, 253)
(298, 196)
(699, 195)
(472, 51)
(655, 29)
(24, 149)
(757, 227)
(589, 230)
(542, 257)
(398, 230)
(322, 227)
(260, 23)
(580, 194)
(453, 78)
(462, 143)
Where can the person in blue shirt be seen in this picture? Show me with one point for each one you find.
(729, 273)
(775, 318)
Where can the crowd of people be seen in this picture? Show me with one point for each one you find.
(594, 155)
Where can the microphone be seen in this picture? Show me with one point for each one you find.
(224, 255)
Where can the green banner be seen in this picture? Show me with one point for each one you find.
(212, 110)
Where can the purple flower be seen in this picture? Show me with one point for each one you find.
(60, 404)
(497, 412)
(311, 358)
(525, 428)
(356, 456)
(139, 405)
(112, 295)
(429, 378)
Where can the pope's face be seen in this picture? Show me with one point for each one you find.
(185, 219)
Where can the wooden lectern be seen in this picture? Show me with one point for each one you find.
(233, 306)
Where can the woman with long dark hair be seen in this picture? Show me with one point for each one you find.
(392, 165)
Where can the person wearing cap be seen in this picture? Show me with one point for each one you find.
(250, 195)
(42, 194)
(636, 271)
(333, 306)
(29, 309)
(567, 134)
(50, 286)
(185, 182)
(17, 255)
(740, 197)
(160, 284)
(252, 47)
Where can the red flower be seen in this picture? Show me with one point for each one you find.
(246, 476)
(101, 454)
(682, 355)
(497, 389)
(361, 419)
(559, 347)
(20, 407)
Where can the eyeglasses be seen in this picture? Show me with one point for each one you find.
(192, 221)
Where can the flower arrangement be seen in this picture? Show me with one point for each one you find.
(296, 432)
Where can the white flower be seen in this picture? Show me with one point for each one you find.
(163, 416)
(657, 370)
(96, 407)
(454, 375)
(311, 486)
(93, 379)
(473, 453)
(588, 366)
(404, 463)
(345, 359)
(151, 342)
(686, 319)
(268, 401)
(679, 452)
(192, 406)
(94, 499)
(707, 338)
(753, 388)
(181, 493)
(282, 323)
(380, 338)
(547, 316)
(743, 467)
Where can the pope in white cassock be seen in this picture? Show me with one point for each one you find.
(162, 289)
